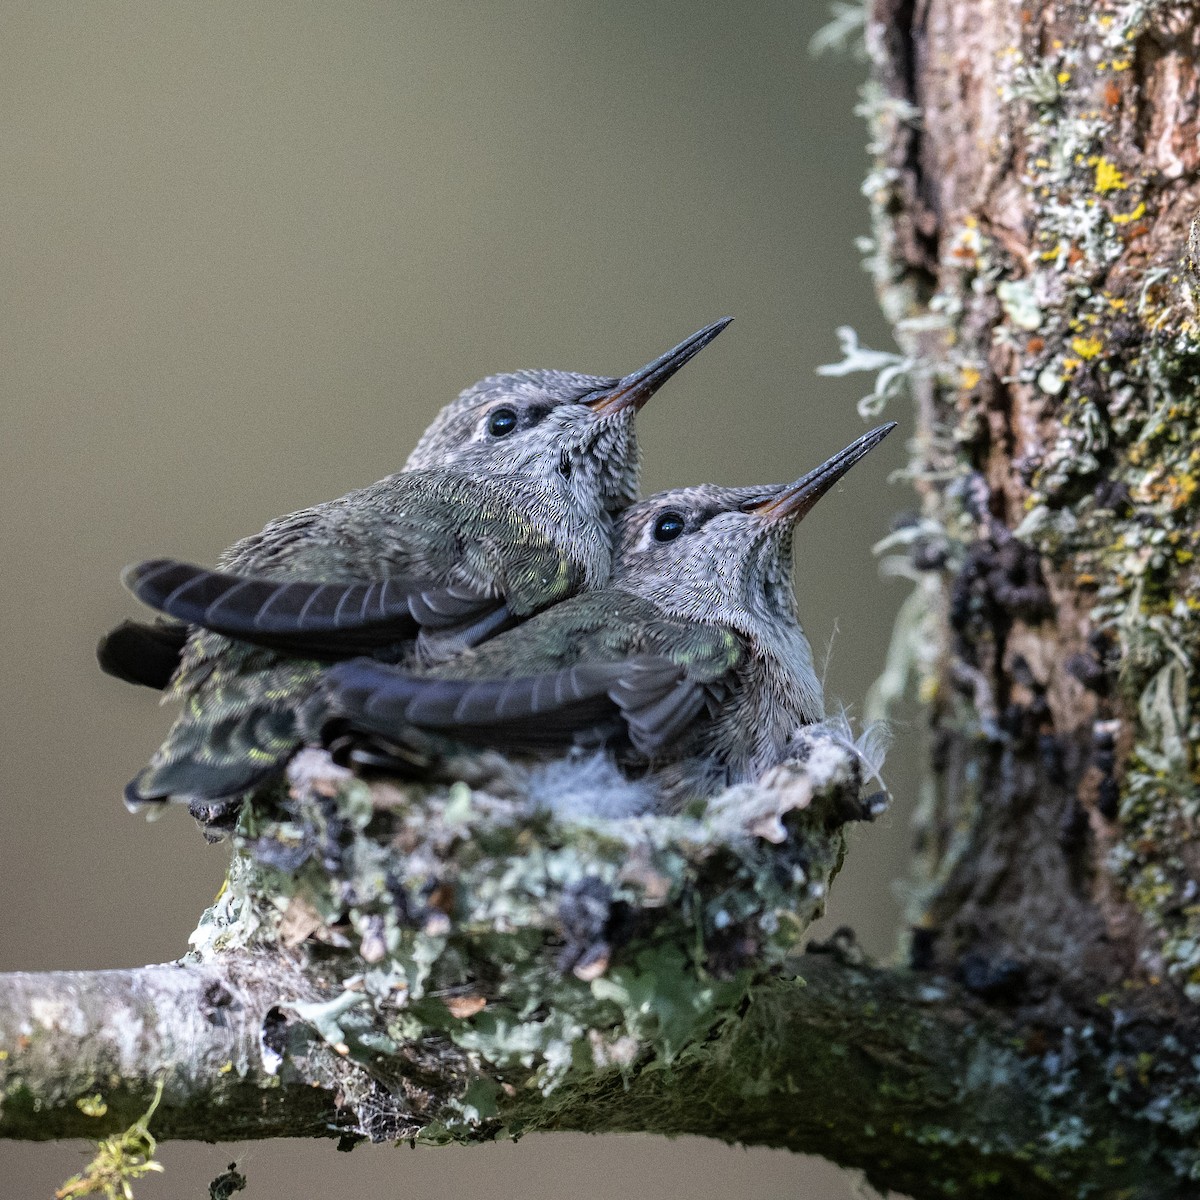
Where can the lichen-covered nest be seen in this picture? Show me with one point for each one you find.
(530, 921)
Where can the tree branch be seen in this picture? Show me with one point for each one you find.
(909, 1078)
(70, 1037)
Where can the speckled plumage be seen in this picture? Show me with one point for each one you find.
(487, 528)
(692, 659)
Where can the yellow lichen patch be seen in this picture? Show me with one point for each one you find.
(1125, 218)
(968, 242)
(1184, 489)
(92, 1106)
(1087, 347)
(969, 378)
(1109, 177)
(1178, 490)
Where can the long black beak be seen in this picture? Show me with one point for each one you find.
(634, 390)
(795, 500)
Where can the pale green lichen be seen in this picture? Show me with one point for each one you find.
(891, 371)
(843, 32)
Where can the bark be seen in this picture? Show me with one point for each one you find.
(1037, 175)
(71, 1035)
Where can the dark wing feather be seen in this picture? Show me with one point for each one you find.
(528, 712)
(142, 653)
(650, 697)
(447, 608)
(452, 628)
(658, 701)
(307, 616)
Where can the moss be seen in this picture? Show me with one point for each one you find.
(118, 1161)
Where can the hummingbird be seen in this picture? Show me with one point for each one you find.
(691, 660)
(505, 506)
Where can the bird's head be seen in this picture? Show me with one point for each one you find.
(577, 430)
(724, 555)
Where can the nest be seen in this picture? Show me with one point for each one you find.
(531, 920)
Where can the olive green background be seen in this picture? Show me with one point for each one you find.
(248, 250)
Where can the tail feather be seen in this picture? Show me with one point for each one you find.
(189, 781)
(142, 653)
(198, 762)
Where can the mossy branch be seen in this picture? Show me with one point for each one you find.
(908, 1078)
(458, 964)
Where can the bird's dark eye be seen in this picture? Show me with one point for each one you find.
(668, 527)
(502, 422)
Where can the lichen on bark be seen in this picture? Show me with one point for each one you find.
(1036, 178)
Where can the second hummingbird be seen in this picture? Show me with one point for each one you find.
(691, 660)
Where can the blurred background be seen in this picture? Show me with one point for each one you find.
(248, 252)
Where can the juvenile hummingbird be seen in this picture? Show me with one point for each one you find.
(691, 659)
(505, 506)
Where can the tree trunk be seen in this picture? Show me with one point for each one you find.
(1034, 188)
(1036, 184)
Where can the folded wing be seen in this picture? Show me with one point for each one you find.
(648, 699)
(317, 618)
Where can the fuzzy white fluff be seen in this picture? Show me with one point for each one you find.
(589, 785)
